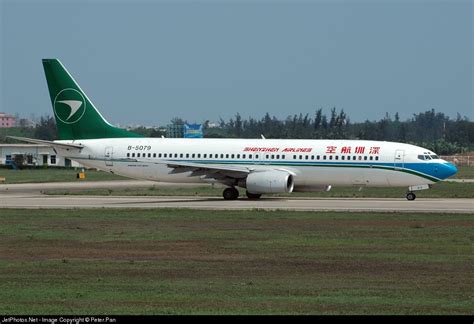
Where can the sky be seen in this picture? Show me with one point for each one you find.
(146, 62)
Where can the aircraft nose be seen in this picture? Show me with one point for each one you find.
(449, 169)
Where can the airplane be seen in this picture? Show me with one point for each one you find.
(261, 166)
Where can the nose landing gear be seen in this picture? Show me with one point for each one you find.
(410, 196)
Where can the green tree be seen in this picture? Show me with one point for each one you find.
(46, 129)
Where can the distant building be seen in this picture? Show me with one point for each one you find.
(193, 131)
(184, 131)
(175, 131)
(7, 121)
(32, 155)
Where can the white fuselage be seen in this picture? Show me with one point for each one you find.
(314, 163)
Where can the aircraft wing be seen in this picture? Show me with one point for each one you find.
(221, 173)
(48, 143)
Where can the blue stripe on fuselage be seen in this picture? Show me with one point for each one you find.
(437, 170)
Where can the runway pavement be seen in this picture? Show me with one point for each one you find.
(29, 196)
(115, 184)
(217, 203)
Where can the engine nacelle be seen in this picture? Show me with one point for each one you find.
(269, 182)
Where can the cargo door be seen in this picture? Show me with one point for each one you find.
(109, 153)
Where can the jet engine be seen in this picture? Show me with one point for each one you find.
(274, 181)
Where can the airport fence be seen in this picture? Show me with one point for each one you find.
(460, 160)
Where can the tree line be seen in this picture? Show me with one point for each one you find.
(430, 129)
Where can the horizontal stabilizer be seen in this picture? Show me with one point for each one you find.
(48, 143)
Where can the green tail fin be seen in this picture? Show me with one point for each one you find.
(76, 116)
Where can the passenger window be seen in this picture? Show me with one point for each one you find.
(354, 158)
(181, 155)
(317, 157)
(154, 155)
(128, 154)
(371, 158)
(283, 157)
(176, 155)
(149, 155)
(187, 155)
(330, 157)
(165, 155)
(324, 157)
(210, 156)
(159, 155)
(294, 157)
(227, 156)
(193, 155)
(337, 157)
(232, 156)
(205, 156)
(365, 158)
(238, 156)
(343, 157)
(199, 155)
(222, 156)
(306, 157)
(243, 156)
(376, 158)
(301, 157)
(256, 156)
(250, 156)
(133, 154)
(360, 157)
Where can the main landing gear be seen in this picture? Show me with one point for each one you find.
(410, 196)
(253, 196)
(230, 193)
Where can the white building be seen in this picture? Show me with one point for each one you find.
(33, 155)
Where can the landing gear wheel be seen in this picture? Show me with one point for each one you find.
(230, 194)
(411, 196)
(252, 195)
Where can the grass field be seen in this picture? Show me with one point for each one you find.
(439, 190)
(69, 174)
(53, 175)
(464, 172)
(234, 262)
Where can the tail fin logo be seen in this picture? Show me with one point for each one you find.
(69, 106)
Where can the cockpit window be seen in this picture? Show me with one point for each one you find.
(425, 157)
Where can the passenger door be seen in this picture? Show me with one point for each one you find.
(399, 159)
